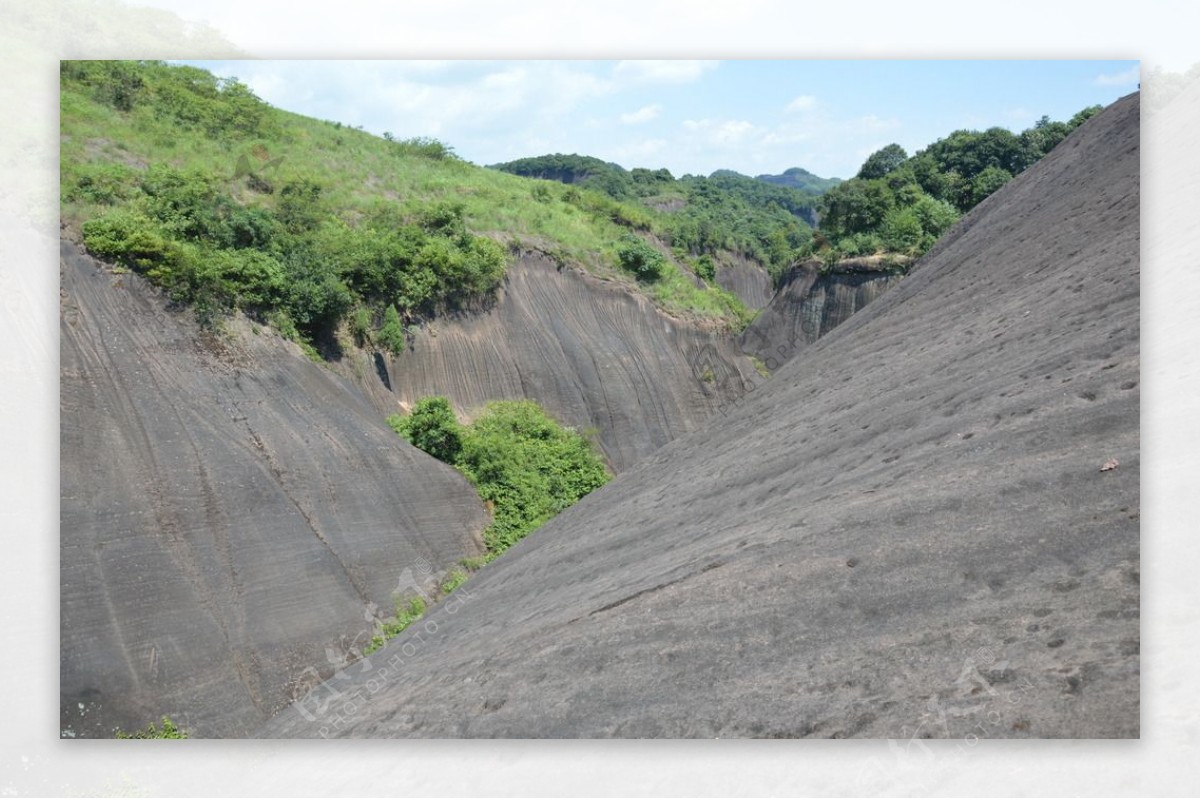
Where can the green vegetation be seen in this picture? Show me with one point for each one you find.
(903, 205)
(519, 459)
(315, 227)
(802, 179)
(453, 580)
(639, 258)
(167, 730)
(408, 610)
(320, 229)
(432, 427)
(725, 212)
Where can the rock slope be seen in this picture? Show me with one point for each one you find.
(595, 355)
(230, 511)
(907, 532)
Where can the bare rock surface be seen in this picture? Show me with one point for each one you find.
(229, 513)
(595, 355)
(905, 533)
(747, 280)
(809, 305)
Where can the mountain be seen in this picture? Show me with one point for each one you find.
(925, 525)
(798, 178)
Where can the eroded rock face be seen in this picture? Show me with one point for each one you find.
(747, 280)
(596, 356)
(807, 306)
(905, 533)
(230, 514)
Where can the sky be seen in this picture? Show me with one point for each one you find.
(690, 116)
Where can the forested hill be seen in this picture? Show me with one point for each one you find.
(898, 203)
(798, 178)
(724, 211)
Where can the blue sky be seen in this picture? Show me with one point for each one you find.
(690, 116)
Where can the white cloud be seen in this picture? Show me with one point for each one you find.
(873, 123)
(727, 131)
(787, 134)
(804, 102)
(636, 153)
(1126, 78)
(641, 115)
(662, 71)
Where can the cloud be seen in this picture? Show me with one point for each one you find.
(873, 123)
(804, 102)
(635, 152)
(662, 71)
(727, 131)
(1126, 78)
(641, 115)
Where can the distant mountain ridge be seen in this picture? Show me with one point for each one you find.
(800, 178)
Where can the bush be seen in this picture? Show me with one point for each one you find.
(638, 257)
(104, 184)
(391, 333)
(432, 427)
(128, 238)
(518, 458)
(529, 466)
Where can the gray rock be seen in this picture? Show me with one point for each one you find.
(593, 354)
(747, 280)
(905, 533)
(229, 513)
(807, 306)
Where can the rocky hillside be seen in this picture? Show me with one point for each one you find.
(926, 525)
(595, 355)
(811, 303)
(232, 515)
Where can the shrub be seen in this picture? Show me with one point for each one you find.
(529, 466)
(638, 257)
(391, 333)
(104, 184)
(432, 427)
(128, 238)
(519, 459)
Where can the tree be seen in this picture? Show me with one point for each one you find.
(986, 183)
(881, 162)
(391, 333)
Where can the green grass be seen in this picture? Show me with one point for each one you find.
(455, 579)
(167, 730)
(408, 610)
(105, 151)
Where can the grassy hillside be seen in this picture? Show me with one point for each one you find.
(699, 217)
(317, 227)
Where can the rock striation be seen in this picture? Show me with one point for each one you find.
(233, 516)
(908, 532)
(597, 356)
(808, 305)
